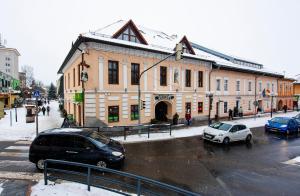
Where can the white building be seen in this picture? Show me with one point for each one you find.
(9, 61)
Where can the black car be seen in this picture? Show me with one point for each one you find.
(76, 145)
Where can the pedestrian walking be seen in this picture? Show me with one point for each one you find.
(43, 110)
(285, 108)
(48, 110)
(240, 111)
(230, 114)
(188, 117)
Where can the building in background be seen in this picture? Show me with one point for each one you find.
(22, 78)
(115, 55)
(9, 75)
(285, 93)
(296, 87)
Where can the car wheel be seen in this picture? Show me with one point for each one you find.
(101, 164)
(248, 138)
(40, 164)
(226, 141)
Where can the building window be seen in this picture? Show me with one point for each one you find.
(135, 73)
(68, 80)
(260, 86)
(163, 76)
(225, 107)
(78, 75)
(238, 85)
(272, 87)
(249, 86)
(218, 84)
(268, 86)
(188, 78)
(200, 78)
(73, 77)
(225, 84)
(134, 114)
(188, 107)
(129, 35)
(200, 107)
(113, 113)
(113, 72)
(249, 105)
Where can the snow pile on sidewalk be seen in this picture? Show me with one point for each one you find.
(67, 188)
(294, 161)
(196, 131)
(21, 130)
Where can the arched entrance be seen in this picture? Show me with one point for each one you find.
(161, 111)
(280, 105)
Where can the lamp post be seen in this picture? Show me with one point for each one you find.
(272, 98)
(210, 95)
(178, 52)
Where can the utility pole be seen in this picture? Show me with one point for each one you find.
(37, 116)
(178, 52)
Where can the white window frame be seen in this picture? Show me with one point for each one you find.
(236, 82)
(225, 79)
(260, 86)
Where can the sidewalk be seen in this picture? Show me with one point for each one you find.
(21, 130)
(197, 130)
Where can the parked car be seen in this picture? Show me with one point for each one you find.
(225, 133)
(76, 145)
(285, 125)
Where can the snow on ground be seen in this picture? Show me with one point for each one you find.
(193, 131)
(21, 130)
(67, 188)
(294, 161)
(1, 189)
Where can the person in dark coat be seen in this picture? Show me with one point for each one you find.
(285, 108)
(188, 117)
(230, 114)
(48, 110)
(43, 110)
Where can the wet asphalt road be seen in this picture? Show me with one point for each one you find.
(213, 169)
(207, 168)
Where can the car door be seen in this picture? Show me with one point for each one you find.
(233, 133)
(86, 151)
(242, 132)
(63, 145)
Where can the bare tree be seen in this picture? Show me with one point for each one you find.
(29, 74)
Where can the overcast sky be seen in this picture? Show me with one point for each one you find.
(266, 31)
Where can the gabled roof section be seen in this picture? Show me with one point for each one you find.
(131, 26)
(186, 44)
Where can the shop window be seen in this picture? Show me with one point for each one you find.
(134, 114)
(200, 107)
(113, 113)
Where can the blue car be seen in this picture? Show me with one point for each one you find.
(285, 125)
(297, 118)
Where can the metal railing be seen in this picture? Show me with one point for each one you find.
(139, 187)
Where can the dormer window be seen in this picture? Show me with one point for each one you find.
(129, 35)
(129, 32)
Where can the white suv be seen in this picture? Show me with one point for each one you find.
(225, 133)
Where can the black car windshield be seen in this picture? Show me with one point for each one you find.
(280, 120)
(221, 126)
(101, 140)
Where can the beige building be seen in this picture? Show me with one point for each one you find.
(114, 56)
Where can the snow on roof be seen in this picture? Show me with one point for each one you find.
(224, 62)
(297, 80)
(160, 41)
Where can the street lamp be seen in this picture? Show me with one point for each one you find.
(210, 95)
(272, 97)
